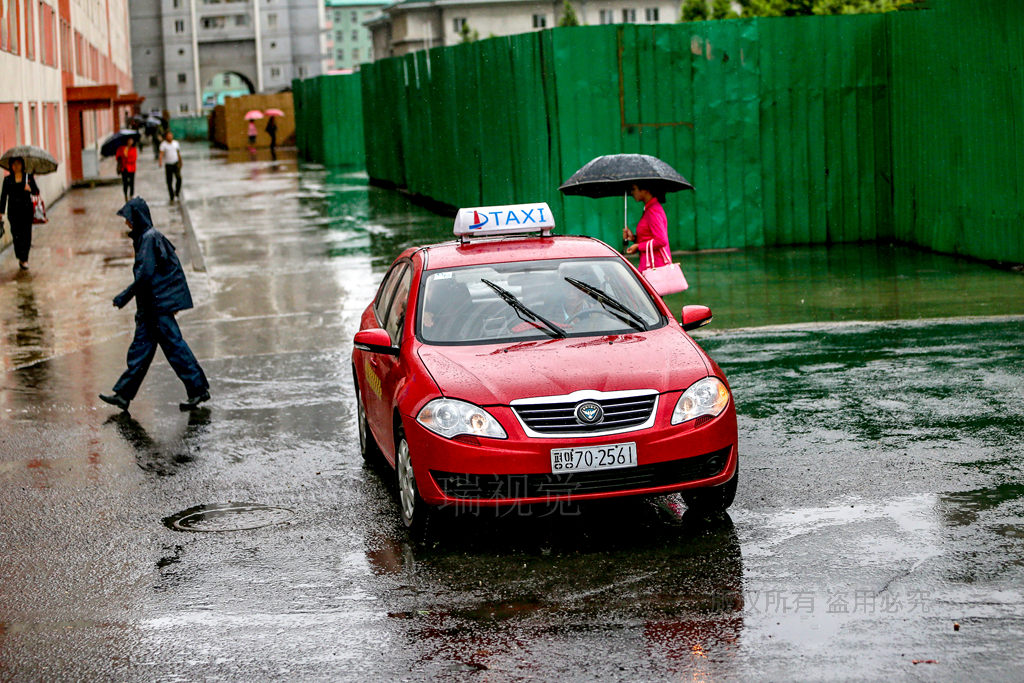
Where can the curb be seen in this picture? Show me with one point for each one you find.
(198, 262)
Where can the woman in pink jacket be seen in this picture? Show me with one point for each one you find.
(652, 228)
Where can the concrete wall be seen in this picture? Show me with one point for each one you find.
(230, 129)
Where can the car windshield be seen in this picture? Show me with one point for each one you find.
(470, 305)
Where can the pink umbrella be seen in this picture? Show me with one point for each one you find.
(253, 115)
(274, 112)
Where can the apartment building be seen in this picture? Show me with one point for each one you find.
(348, 39)
(411, 25)
(181, 48)
(65, 80)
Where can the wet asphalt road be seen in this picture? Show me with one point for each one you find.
(881, 497)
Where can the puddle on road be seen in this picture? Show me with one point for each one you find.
(219, 517)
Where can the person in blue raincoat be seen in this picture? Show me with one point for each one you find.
(160, 290)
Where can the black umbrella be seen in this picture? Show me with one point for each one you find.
(612, 175)
(117, 141)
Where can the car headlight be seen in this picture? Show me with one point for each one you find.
(450, 417)
(708, 396)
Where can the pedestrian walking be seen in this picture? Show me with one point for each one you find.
(127, 155)
(160, 290)
(170, 159)
(272, 132)
(252, 133)
(16, 200)
(652, 228)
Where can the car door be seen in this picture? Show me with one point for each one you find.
(375, 401)
(380, 369)
(391, 369)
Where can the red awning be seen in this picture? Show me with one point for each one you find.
(91, 96)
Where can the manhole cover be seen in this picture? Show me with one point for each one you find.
(228, 517)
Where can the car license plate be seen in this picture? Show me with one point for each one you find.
(607, 457)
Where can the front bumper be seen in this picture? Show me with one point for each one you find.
(517, 470)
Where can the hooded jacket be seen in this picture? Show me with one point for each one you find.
(160, 285)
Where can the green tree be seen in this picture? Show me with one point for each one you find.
(467, 34)
(694, 10)
(722, 9)
(569, 17)
(792, 8)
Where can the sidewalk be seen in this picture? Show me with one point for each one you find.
(79, 260)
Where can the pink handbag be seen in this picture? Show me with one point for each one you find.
(666, 279)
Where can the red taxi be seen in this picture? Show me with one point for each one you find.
(513, 367)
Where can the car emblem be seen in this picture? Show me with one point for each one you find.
(589, 413)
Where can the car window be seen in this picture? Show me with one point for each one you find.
(396, 313)
(387, 288)
(458, 307)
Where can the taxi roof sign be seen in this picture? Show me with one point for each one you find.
(485, 221)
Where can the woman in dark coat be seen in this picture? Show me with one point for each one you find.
(16, 201)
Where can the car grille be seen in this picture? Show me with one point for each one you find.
(508, 486)
(560, 418)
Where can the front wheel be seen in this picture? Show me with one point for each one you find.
(368, 447)
(712, 500)
(414, 511)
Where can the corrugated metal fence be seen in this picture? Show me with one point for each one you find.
(803, 130)
(329, 119)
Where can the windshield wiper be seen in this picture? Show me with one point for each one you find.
(618, 310)
(522, 311)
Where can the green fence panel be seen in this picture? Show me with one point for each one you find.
(190, 127)
(793, 130)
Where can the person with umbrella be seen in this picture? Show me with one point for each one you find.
(646, 179)
(160, 290)
(651, 236)
(272, 126)
(16, 200)
(127, 155)
(252, 116)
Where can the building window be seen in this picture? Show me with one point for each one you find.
(607, 16)
(176, 4)
(30, 29)
(179, 25)
(214, 22)
(458, 23)
(339, 36)
(355, 34)
(628, 16)
(241, 20)
(540, 21)
(153, 81)
(182, 78)
(271, 20)
(33, 124)
(651, 14)
(354, 16)
(301, 71)
(183, 107)
(275, 72)
(355, 55)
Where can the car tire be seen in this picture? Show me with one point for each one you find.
(368, 447)
(414, 512)
(713, 500)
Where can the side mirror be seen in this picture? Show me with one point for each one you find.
(695, 316)
(375, 340)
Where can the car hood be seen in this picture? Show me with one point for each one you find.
(664, 360)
